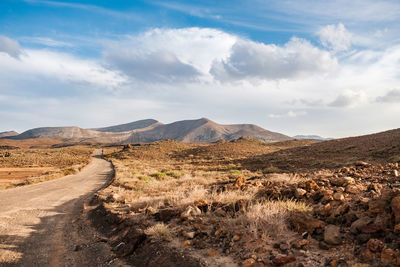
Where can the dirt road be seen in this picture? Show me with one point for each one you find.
(44, 224)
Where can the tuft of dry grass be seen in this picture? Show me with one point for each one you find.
(159, 231)
(269, 218)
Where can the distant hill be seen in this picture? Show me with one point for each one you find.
(145, 131)
(204, 130)
(129, 126)
(374, 148)
(311, 137)
(8, 134)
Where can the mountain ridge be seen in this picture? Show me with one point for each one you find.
(150, 130)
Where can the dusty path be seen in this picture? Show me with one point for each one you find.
(43, 224)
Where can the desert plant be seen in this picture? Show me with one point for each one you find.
(159, 231)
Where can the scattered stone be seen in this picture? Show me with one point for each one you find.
(323, 245)
(189, 235)
(303, 222)
(377, 206)
(357, 225)
(362, 164)
(186, 244)
(338, 196)
(299, 244)
(352, 189)
(332, 235)
(212, 253)
(284, 260)
(373, 228)
(388, 256)
(241, 181)
(397, 228)
(191, 211)
(375, 245)
(284, 247)
(300, 192)
(249, 262)
(396, 173)
(236, 238)
(366, 255)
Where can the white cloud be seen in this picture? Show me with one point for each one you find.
(349, 99)
(42, 64)
(46, 41)
(289, 114)
(392, 96)
(335, 37)
(296, 59)
(9, 46)
(169, 54)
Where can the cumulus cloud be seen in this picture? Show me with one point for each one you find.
(169, 54)
(250, 60)
(393, 96)
(160, 66)
(42, 64)
(348, 99)
(9, 46)
(335, 37)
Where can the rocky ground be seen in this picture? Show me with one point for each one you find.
(215, 213)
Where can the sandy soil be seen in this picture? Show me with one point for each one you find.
(45, 224)
(12, 174)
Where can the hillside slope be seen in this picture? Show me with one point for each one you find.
(8, 134)
(204, 130)
(129, 126)
(374, 148)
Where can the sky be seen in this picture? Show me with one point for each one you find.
(326, 67)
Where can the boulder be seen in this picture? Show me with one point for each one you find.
(303, 222)
(357, 225)
(332, 235)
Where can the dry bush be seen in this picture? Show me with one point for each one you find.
(159, 231)
(269, 218)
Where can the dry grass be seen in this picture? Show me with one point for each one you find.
(172, 174)
(32, 165)
(159, 231)
(268, 218)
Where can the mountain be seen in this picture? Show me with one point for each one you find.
(204, 130)
(129, 126)
(146, 131)
(312, 137)
(8, 134)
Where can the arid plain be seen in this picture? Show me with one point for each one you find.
(237, 202)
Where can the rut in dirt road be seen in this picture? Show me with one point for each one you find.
(42, 224)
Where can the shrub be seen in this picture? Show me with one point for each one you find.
(159, 231)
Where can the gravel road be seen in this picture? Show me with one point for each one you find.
(45, 224)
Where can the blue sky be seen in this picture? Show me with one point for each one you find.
(297, 67)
